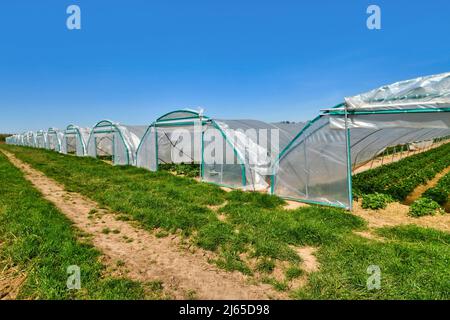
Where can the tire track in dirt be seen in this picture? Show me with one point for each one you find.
(146, 257)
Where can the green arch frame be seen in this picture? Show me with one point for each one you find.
(76, 131)
(179, 121)
(53, 132)
(110, 124)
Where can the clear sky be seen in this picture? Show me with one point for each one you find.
(268, 60)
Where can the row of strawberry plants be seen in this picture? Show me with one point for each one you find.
(400, 178)
(440, 192)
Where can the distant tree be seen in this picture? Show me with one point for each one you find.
(3, 136)
(288, 122)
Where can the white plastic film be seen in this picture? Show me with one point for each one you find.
(314, 167)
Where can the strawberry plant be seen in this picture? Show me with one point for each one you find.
(376, 201)
(400, 178)
(423, 207)
(441, 191)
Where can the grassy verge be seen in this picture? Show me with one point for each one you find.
(39, 240)
(252, 233)
(413, 262)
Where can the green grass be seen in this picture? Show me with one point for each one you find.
(257, 227)
(39, 240)
(409, 270)
(415, 234)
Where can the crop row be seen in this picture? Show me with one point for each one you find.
(400, 178)
(441, 191)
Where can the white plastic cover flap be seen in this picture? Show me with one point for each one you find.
(420, 93)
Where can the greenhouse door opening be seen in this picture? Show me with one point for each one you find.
(74, 140)
(71, 144)
(104, 146)
(115, 142)
(173, 143)
(54, 138)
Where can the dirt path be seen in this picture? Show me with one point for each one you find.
(417, 193)
(143, 255)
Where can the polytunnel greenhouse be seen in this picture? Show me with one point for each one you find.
(115, 142)
(249, 157)
(74, 140)
(310, 162)
(41, 139)
(54, 139)
(29, 139)
(20, 139)
(316, 166)
(17, 139)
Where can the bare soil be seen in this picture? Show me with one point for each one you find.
(11, 280)
(447, 207)
(292, 205)
(396, 214)
(145, 256)
(309, 265)
(309, 260)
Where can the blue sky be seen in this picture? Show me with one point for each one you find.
(269, 60)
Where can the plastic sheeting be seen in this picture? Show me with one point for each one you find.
(24, 139)
(311, 163)
(27, 139)
(251, 146)
(172, 146)
(146, 155)
(420, 93)
(117, 140)
(371, 134)
(54, 139)
(316, 166)
(247, 147)
(41, 140)
(164, 141)
(313, 168)
(16, 139)
(75, 140)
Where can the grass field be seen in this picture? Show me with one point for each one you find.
(37, 240)
(252, 233)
